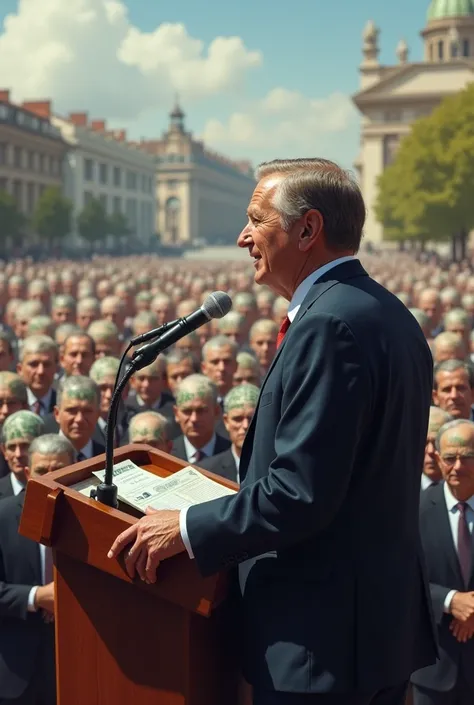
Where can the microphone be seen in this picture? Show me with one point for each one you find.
(145, 337)
(216, 305)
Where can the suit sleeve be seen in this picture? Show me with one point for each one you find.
(439, 594)
(13, 598)
(326, 394)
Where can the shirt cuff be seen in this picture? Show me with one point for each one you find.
(184, 532)
(31, 599)
(447, 601)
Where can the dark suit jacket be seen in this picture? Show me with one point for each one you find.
(26, 642)
(325, 525)
(6, 489)
(222, 464)
(4, 469)
(166, 408)
(444, 575)
(98, 441)
(179, 451)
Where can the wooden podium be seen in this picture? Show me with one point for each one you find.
(120, 641)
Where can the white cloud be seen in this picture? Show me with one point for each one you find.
(87, 55)
(286, 122)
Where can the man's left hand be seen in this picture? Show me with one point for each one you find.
(154, 538)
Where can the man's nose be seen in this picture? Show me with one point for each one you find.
(244, 238)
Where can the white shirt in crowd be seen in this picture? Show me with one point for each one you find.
(192, 453)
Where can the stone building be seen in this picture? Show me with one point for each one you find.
(392, 97)
(201, 196)
(32, 151)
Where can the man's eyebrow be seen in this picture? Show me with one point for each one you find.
(254, 211)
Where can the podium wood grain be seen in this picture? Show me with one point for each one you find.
(118, 641)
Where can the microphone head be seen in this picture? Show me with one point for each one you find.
(217, 304)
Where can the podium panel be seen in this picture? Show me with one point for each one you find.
(120, 641)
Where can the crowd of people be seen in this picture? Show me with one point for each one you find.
(64, 328)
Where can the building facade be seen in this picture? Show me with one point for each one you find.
(32, 151)
(391, 98)
(102, 165)
(201, 196)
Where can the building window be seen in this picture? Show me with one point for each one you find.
(30, 198)
(131, 180)
(465, 47)
(3, 152)
(17, 157)
(117, 176)
(393, 116)
(18, 192)
(172, 183)
(88, 170)
(41, 164)
(430, 52)
(88, 197)
(103, 173)
(390, 147)
(441, 51)
(3, 184)
(31, 161)
(4, 112)
(103, 200)
(117, 204)
(172, 218)
(454, 50)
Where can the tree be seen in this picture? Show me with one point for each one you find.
(426, 194)
(92, 222)
(12, 221)
(118, 225)
(52, 216)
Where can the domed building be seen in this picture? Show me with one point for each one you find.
(392, 97)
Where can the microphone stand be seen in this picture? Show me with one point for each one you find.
(107, 491)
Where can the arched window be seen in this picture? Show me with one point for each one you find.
(466, 48)
(430, 52)
(173, 215)
(441, 50)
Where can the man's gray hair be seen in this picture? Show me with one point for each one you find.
(176, 356)
(63, 301)
(449, 294)
(321, 185)
(420, 317)
(233, 319)
(52, 444)
(263, 325)
(196, 387)
(453, 366)
(38, 345)
(457, 315)
(83, 336)
(279, 305)
(29, 309)
(159, 426)
(88, 304)
(79, 387)
(217, 343)
(14, 384)
(448, 427)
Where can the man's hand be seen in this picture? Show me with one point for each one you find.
(462, 631)
(154, 538)
(44, 598)
(462, 606)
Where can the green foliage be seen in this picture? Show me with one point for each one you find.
(12, 221)
(92, 222)
(118, 225)
(426, 194)
(52, 217)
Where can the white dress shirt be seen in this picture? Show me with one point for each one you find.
(192, 453)
(45, 401)
(453, 515)
(425, 482)
(155, 406)
(17, 486)
(293, 308)
(86, 451)
(237, 462)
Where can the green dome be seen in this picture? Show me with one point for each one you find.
(439, 9)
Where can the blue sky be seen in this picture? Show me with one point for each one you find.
(308, 49)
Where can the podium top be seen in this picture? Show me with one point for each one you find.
(57, 515)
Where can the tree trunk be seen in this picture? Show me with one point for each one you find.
(454, 253)
(462, 244)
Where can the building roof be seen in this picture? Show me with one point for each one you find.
(439, 9)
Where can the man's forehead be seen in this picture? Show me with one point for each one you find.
(264, 191)
(446, 376)
(18, 441)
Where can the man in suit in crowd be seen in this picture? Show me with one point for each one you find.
(18, 431)
(27, 668)
(151, 428)
(7, 352)
(454, 388)
(239, 407)
(76, 416)
(104, 372)
(219, 363)
(431, 470)
(197, 413)
(179, 365)
(77, 354)
(13, 397)
(335, 606)
(37, 367)
(148, 387)
(447, 518)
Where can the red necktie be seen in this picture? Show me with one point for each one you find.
(282, 332)
(37, 406)
(464, 544)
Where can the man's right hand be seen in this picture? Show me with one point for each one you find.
(462, 606)
(44, 598)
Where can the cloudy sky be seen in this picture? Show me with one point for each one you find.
(257, 78)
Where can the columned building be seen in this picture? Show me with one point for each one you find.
(32, 151)
(103, 165)
(201, 196)
(391, 98)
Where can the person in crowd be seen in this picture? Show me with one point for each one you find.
(219, 363)
(239, 407)
(422, 320)
(151, 428)
(190, 344)
(446, 521)
(64, 331)
(197, 412)
(460, 322)
(104, 372)
(7, 352)
(87, 311)
(76, 416)
(41, 325)
(280, 310)
(38, 291)
(232, 326)
(63, 309)
(265, 300)
(37, 367)
(430, 303)
(143, 322)
(450, 299)
(454, 388)
(13, 398)
(149, 391)
(248, 370)
(17, 433)
(77, 355)
(179, 365)
(245, 303)
(263, 337)
(448, 346)
(27, 652)
(25, 312)
(161, 305)
(105, 335)
(431, 475)
(112, 309)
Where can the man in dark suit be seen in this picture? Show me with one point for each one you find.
(431, 470)
(239, 407)
(197, 413)
(149, 394)
(104, 372)
(27, 670)
(335, 606)
(18, 431)
(13, 397)
(447, 518)
(37, 367)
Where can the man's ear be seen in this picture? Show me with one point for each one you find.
(311, 229)
(56, 413)
(435, 397)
